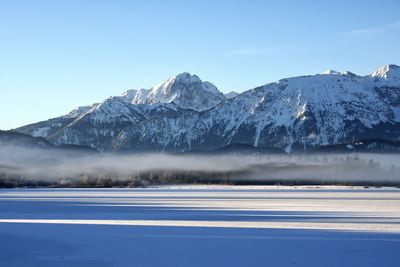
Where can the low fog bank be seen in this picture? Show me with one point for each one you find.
(21, 166)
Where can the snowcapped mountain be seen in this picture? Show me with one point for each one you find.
(99, 124)
(185, 90)
(184, 113)
(312, 110)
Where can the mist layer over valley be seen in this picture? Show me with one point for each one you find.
(23, 166)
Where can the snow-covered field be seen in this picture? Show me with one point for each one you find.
(200, 226)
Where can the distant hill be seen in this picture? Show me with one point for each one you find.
(20, 139)
(371, 145)
(11, 138)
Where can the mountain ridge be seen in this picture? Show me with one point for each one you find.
(293, 114)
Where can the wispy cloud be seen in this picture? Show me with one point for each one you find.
(373, 30)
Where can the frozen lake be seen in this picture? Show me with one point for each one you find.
(200, 226)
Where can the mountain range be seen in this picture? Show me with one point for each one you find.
(185, 113)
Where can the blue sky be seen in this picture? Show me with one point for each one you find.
(57, 55)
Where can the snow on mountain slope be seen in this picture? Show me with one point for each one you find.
(186, 90)
(111, 109)
(320, 109)
(99, 125)
(184, 113)
(96, 125)
(388, 72)
(77, 112)
(136, 96)
(290, 114)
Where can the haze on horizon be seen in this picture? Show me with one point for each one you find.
(56, 56)
(57, 165)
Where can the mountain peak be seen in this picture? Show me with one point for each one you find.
(186, 77)
(331, 72)
(349, 73)
(186, 90)
(387, 71)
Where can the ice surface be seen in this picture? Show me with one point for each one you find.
(200, 226)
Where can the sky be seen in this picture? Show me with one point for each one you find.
(58, 55)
